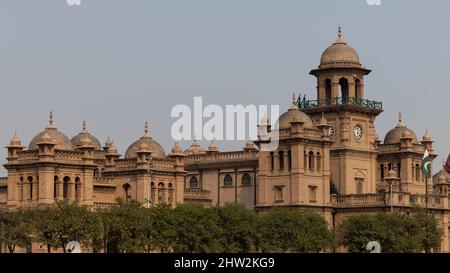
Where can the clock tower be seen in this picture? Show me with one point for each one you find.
(340, 98)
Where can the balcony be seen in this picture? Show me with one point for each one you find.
(352, 101)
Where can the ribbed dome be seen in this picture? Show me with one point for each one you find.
(395, 135)
(62, 142)
(339, 54)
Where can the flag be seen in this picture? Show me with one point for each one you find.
(426, 164)
(447, 165)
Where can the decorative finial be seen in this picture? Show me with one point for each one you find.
(294, 102)
(15, 132)
(50, 118)
(84, 126)
(400, 120)
(339, 31)
(146, 129)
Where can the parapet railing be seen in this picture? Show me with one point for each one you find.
(309, 104)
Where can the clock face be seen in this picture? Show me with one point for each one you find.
(357, 132)
(331, 131)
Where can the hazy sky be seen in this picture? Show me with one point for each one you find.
(117, 63)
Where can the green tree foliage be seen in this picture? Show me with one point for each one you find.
(285, 230)
(396, 233)
(57, 225)
(196, 229)
(238, 228)
(15, 229)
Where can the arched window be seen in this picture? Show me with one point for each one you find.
(228, 180)
(328, 91)
(246, 179)
(153, 192)
(343, 84)
(358, 89)
(399, 170)
(311, 160)
(66, 187)
(21, 189)
(170, 187)
(390, 166)
(193, 183)
(55, 186)
(281, 159)
(30, 185)
(319, 161)
(381, 171)
(127, 191)
(160, 193)
(77, 189)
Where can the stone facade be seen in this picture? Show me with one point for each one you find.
(329, 159)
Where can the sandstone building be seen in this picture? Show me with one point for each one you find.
(329, 159)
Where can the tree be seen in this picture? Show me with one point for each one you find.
(15, 229)
(237, 228)
(120, 227)
(197, 229)
(58, 225)
(396, 233)
(286, 230)
(430, 234)
(157, 228)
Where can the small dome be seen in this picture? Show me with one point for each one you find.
(195, 149)
(109, 142)
(395, 135)
(426, 137)
(76, 140)
(147, 143)
(15, 141)
(249, 144)
(338, 54)
(176, 149)
(294, 114)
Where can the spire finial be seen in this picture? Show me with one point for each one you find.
(146, 129)
(84, 126)
(294, 102)
(15, 132)
(400, 120)
(50, 120)
(339, 31)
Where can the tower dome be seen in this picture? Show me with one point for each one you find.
(339, 54)
(76, 140)
(395, 135)
(62, 142)
(145, 141)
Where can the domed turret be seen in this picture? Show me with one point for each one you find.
(339, 54)
(156, 149)
(15, 141)
(294, 114)
(212, 148)
(76, 140)
(62, 142)
(195, 149)
(395, 135)
(427, 137)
